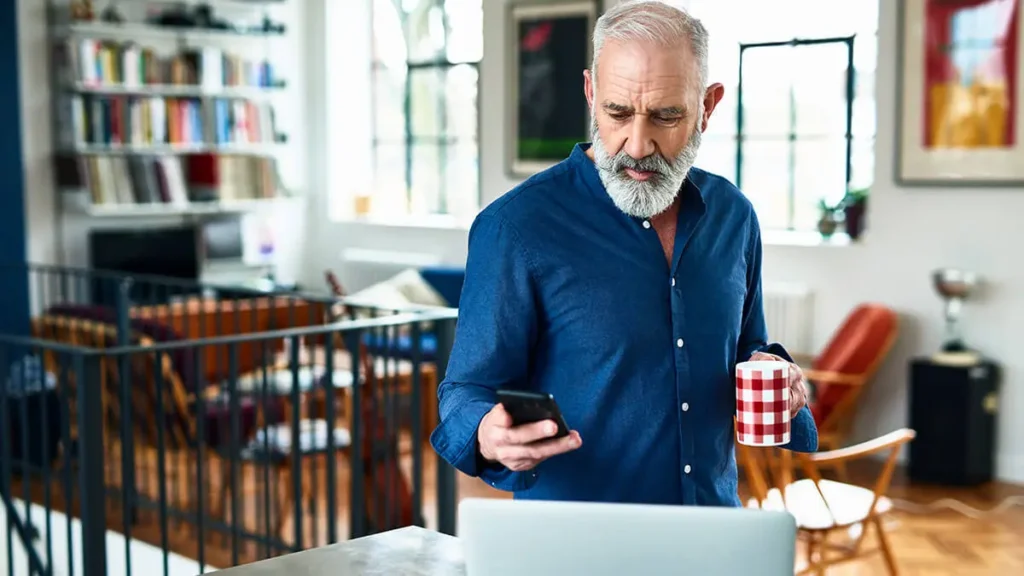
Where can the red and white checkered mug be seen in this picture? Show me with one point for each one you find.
(762, 403)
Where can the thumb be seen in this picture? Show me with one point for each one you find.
(499, 417)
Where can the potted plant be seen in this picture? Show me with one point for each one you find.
(854, 207)
(827, 222)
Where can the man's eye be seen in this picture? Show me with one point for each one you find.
(619, 116)
(666, 121)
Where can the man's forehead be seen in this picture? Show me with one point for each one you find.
(640, 67)
(642, 59)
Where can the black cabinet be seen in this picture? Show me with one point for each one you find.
(953, 409)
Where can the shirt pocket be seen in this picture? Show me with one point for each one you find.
(716, 306)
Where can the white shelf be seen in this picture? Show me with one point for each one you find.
(157, 210)
(173, 90)
(268, 149)
(136, 31)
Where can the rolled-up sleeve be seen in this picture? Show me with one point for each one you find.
(494, 337)
(754, 338)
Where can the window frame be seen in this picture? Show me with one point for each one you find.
(439, 66)
(792, 137)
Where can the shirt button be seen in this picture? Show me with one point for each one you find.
(686, 469)
(685, 406)
(673, 281)
(679, 343)
(647, 224)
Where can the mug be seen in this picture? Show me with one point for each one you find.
(762, 403)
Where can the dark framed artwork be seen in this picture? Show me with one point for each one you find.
(960, 101)
(549, 47)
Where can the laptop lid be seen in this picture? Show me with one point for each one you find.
(543, 538)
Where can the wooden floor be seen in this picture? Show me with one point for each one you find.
(928, 541)
(932, 542)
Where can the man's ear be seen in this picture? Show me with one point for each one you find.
(588, 88)
(712, 96)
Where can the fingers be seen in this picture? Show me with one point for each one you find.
(525, 457)
(528, 433)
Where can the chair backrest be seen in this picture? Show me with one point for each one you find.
(447, 280)
(857, 348)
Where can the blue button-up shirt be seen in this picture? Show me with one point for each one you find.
(566, 294)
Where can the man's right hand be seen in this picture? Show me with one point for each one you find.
(522, 447)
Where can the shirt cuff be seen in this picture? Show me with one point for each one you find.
(803, 432)
(455, 440)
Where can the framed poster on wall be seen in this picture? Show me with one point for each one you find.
(959, 108)
(549, 47)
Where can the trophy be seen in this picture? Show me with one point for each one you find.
(955, 286)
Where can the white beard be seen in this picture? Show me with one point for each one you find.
(649, 197)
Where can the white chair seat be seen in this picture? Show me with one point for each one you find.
(280, 381)
(847, 504)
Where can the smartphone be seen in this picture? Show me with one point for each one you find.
(527, 407)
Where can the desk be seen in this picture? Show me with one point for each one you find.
(411, 551)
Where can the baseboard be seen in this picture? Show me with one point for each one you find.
(1010, 469)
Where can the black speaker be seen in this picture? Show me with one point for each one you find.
(953, 409)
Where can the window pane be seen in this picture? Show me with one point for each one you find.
(766, 85)
(461, 104)
(766, 180)
(388, 37)
(426, 102)
(819, 174)
(390, 194)
(426, 179)
(862, 159)
(462, 178)
(388, 108)
(819, 88)
(723, 118)
(424, 30)
(718, 156)
(465, 30)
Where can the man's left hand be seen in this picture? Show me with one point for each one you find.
(797, 382)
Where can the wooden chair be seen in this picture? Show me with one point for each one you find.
(826, 508)
(165, 422)
(843, 368)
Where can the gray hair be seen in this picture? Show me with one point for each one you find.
(652, 21)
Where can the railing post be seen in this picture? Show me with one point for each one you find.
(124, 328)
(90, 476)
(446, 492)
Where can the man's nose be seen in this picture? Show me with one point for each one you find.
(639, 144)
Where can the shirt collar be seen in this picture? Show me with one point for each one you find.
(588, 170)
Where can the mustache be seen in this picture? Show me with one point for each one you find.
(621, 161)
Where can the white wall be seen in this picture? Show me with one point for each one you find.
(912, 232)
(56, 238)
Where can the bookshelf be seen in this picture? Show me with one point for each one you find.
(159, 116)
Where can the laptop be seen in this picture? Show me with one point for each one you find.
(546, 538)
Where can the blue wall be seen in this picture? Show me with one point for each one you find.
(14, 310)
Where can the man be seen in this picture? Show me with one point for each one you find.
(624, 282)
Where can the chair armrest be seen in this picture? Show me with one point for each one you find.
(890, 441)
(828, 377)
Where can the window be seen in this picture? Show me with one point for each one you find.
(790, 149)
(424, 78)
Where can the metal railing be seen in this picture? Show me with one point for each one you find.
(217, 431)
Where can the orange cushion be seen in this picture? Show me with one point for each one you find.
(854, 349)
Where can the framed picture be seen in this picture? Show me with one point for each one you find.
(960, 101)
(549, 47)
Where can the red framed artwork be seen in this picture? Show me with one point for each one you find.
(960, 103)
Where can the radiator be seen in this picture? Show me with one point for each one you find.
(789, 313)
